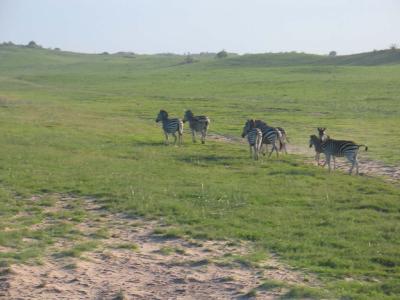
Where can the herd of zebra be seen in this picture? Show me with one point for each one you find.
(260, 134)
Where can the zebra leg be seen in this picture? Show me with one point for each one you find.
(284, 147)
(180, 132)
(175, 138)
(325, 161)
(352, 166)
(317, 158)
(193, 136)
(264, 148)
(258, 147)
(356, 160)
(274, 148)
(180, 137)
(353, 161)
(334, 162)
(328, 160)
(203, 137)
(166, 142)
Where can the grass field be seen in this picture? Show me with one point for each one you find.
(84, 124)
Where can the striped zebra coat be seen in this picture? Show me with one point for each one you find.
(283, 139)
(197, 124)
(270, 136)
(170, 126)
(339, 148)
(254, 138)
(317, 142)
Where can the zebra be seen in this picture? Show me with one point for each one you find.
(254, 138)
(270, 135)
(322, 137)
(283, 139)
(321, 133)
(197, 124)
(338, 148)
(170, 126)
(317, 142)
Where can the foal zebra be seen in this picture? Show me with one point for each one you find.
(270, 135)
(197, 124)
(337, 148)
(170, 126)
(254, 138)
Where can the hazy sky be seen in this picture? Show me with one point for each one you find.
(243, 26)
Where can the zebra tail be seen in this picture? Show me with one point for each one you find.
(366, 147)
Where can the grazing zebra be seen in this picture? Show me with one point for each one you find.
(338, 148)
(197, 124)
(270, 135)
(254, 138)
(170, 126)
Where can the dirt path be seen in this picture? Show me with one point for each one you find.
(367, 166)
(134, 262)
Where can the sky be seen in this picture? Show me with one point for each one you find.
(182, 26)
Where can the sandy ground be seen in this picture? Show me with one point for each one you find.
(160, 268)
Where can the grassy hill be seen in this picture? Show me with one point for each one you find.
(84, 124)
(382, 57)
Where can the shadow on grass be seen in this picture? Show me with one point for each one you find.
(151, 143)
(207, 159)
(301, 172)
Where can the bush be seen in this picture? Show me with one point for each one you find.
(189, 59)
(222, 54)
(332, 53)
(32, 44)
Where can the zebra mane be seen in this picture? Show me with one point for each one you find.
(189, 113)
(251, 123)
(163, 113)
(260, 123)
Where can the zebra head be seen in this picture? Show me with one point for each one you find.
(162, 115)
(188, 115)
(314, 140)
(249, 125)
(321, 133)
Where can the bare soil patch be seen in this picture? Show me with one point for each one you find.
(133, 262)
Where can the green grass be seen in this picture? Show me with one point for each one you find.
(84, 124)
(167, 250)
(127, 246)
(77, 250)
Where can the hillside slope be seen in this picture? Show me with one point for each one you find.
(383, 57)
